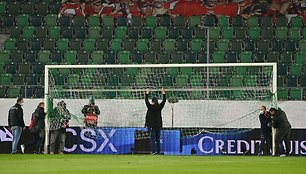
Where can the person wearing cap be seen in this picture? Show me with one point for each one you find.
(59, 122)
(283, 128)
(91, 112)
(37, 129)
(154, 121)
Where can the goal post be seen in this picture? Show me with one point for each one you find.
(214, 97)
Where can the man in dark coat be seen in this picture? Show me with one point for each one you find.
(16, 122)
(91, 113)
(37, 128)
(265, 129)
(154, 120)
(283, 128)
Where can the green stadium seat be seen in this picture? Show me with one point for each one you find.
(177, 57)
(133, 33)
(120, 32)
(70, 56)
(182, 45)
(290, 45)
(282, 69)
(136, 57)
(263, 45)
(181, 80)
(40, 32)
(179, 21)
(303, 82)
(186, 32)
(72, 79)
(127, 80)
(54, 32)
(93, 21)
(115, 45)
(286, 57)
(67, 32)
(231, 57)
(38, 68)
(16, 32)
(102, 44)
(54, 7)
(146, 33)
(237, 21)
(57, 57)
(300, 57)
(236, 45)
(22, 20)
(18, 79)
(39, 92)
(2, 8)
(8, 21)
(252, 21)
(227, 33)
(292, 81)
(79, 21)
(62, 44)
(302, 45)
(89, 45)
(169, 45)
(3, 91)
(267, 33)
(49, 44)
(277, 45)
(24, 68)
(28, 32)
(163, 57)
(42, 8)
(75, 44)
(108, 21)
(218, 57)
(196, 45)
(136, 21)
(280, 81)
(214, 33)
(94, 32)
(17, 56)
(64, 21)
(258, 57)
(250, 80)
(196, 80)
(240, 33)
(199, 33)
(295, 33)
(128, 44)
(43, 56)
(27, 8)
(121, 21)
(150, 57)
(142, 45)
(13, 92)
(236, 80)
(151, 21)
(97, 57)
(160, 32)
(110, 57)
(296, 21)
(266, 21)
(10, 44)
(272, 57)
(124, 57)
(83, 57)
(155, 45)
(202, 57)
(254, 33)
(194, 21)
(51, 20)
(80, 32)
(165, 20)
(36, 20)
(281, 33)
(295, 94)
(295, 69)
(35, 45)
(223, 21)
(4, 56)
(6, 78)
(282, 93)
(223, 45)
(210, 20)
(281, 21)
(22, 44)
(13, 8)
(173, 32)
(249, 45)
(191, 57)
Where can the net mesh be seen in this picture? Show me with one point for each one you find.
(219, 99)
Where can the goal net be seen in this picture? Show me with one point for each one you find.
(219, 98)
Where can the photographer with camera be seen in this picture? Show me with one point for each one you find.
(91, 112)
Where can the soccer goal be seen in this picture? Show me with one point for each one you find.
(220, 98)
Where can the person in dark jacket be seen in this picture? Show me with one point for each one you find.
(154, 119)
(16, 122)
(37, 129)
(283, 128)
(58, 125)
(265, 129)
(91, 113)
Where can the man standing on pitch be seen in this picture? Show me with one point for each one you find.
(283, 127)
(154, 119)
(265, 129)
(16, 122)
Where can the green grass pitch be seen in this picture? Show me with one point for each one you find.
(147, 164)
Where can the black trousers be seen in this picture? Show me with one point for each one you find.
(36, 141)
(282, 134)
